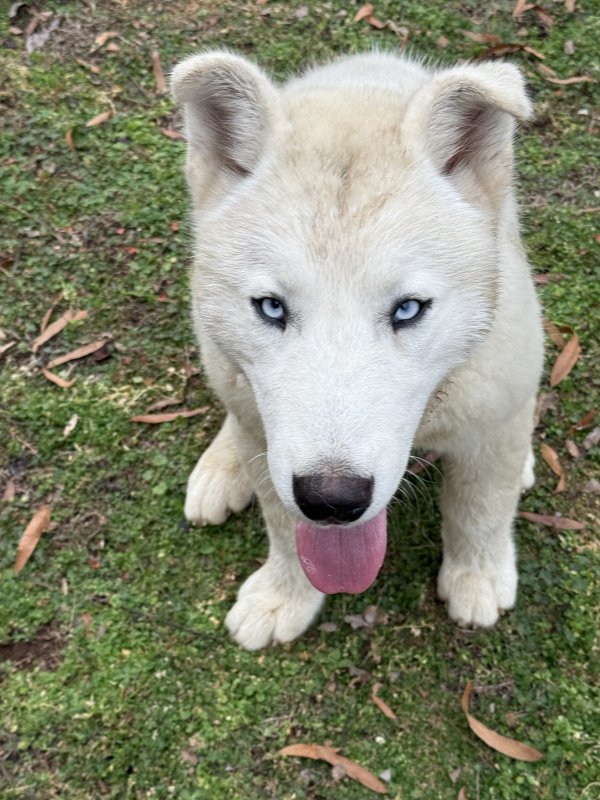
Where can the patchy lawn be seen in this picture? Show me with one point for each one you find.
(117, 678)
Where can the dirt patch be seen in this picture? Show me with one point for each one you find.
(44, 651)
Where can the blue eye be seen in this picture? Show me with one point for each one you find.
(271, 310)
(407, 311)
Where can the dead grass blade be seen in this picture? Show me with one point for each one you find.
(551, 458)
(551, 521)
(381, 704)
(156, 419)
(330, 754)
(159, 75)
(56, 379)
(508, 747)
(565, 361)
(57, 326)
(81, 352)
(39, 523)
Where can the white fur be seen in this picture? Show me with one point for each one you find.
(364, 181)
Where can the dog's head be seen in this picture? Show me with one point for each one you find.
(346, 263)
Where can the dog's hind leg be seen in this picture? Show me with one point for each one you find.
(482, 483)
(218, 483)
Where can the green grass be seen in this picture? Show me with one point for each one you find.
(132, 688)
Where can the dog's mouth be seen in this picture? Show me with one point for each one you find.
(342, 559)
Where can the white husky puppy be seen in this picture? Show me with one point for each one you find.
(360, 289)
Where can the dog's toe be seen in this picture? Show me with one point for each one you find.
(215, 489)
(476, 598)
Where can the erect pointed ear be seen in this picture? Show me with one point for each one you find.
(467, 115)
(230, 109)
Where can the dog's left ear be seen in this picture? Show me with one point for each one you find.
(465, 118)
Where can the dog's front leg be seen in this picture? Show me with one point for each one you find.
(482, 483)
(276, 603)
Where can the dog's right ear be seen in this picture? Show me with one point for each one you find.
(230, 109)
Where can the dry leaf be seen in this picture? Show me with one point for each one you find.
(554, 333)
(381, 704)
(592, 439)
(57, 326)
(558, 523)
(565, 361)
(171, 134)
(100, 119)
(50, 376)
(330, 754)
(159, 75)
(572, 448)
(462, 795)
(499, 50)
(39, 523)
(6, 347)
(88, 65)
(550, 456)
(585, 421)
(574, 79)
(102, 38)
(166, 403)
(81, 352)
(50, 311)
(364, 12)
(508, 747)
(482, 38)
(9, 491)
(375, 23)
(155, 419)
(521, 7)
(113, 47)
(69, 139)
(546, 277)
(71, 424)
(570, 6)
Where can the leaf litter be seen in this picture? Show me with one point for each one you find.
(331, 755)
(502, 744)
(551, 458)
(40, 523)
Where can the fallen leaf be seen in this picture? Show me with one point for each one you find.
(9, 491)
(572, 448)
(482, 38)
(113, 47)
(565, 361)
(381, 704)
(88, 65)
(570, 6)
(102, 38)
(71, 425)
(171, 134)
(81, 352)
(569, 47)
(551, 458)
(50, 311)
(166, 403)
(574, 79)
(69, 139)
(508, 747)
(57, 326)
(6, 347)
(159, 75)
(462, 795)
(559, 523)
(364, 12)
(585, 421)
(375, 23)
(100, 119)
(499, 50)
(330, 754)
(39, 523)
(50, 376)
(546, 277)
(592, 439)
(155, 419)
(554, 333)
(520, 7)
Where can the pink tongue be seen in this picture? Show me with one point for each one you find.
(337, 559)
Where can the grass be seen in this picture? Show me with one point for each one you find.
(117, 677)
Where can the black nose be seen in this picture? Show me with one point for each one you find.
(333, 498)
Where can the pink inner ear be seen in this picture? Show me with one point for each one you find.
(470, 135)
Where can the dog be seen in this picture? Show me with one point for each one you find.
(360, 289)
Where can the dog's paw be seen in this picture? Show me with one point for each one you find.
(475, 598)
(217, 486)
(271, 611)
